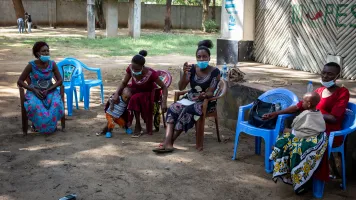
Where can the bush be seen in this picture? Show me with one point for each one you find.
(211, 26)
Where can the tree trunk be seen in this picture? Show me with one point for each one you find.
(99, 14)
(19, 10)
(205, 12)
(167, 20)
(213, 11)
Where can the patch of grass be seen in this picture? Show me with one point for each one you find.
(154, 43)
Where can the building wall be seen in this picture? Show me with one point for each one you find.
(300, 34)
(73, 13)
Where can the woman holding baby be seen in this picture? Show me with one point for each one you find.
(203, 80)
(311, 160)
(143, 82)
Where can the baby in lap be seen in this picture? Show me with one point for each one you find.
(310, 122)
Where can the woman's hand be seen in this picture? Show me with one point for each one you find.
(184, 80)
(38, 93)
(44, 93)
(115, 98)
(269, 116)
(164, 107)
(202, 96)
(186, 68)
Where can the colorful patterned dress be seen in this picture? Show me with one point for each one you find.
(184, 117)
(45, 113)
(335, 105)
(298, 160)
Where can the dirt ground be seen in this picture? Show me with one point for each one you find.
(96, 168)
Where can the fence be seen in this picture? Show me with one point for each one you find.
(300, 34)
(73, 13)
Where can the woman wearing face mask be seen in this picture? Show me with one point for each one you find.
(42, 100)
(333, 104)
(203, 80)
(143, 82)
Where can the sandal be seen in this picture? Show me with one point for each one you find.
(137, 135)
(163, 150)
(33, 128)
(99, 133)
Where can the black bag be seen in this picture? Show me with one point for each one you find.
(260, 108)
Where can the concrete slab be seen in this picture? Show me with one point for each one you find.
(260, 78)
(265, 77)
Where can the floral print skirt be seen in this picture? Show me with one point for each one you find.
(44, 114)
(296, 160)
(184, 117)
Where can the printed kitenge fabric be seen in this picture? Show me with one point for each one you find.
(296, 160)
(45, 113)
(156, 115)
(184, 117)
(334, 105)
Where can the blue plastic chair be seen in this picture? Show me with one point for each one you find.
(70, 81)
(282, 96)
(348, 126)
(89, 83)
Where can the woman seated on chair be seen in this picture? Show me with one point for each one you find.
(333, 104)
(203, 80)
(143, 81)
(43, 101)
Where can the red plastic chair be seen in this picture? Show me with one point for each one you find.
(166, 78)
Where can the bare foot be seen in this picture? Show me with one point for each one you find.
(138, 129)
(168, 146)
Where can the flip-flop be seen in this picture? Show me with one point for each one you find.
(159, 150)
(138, 135)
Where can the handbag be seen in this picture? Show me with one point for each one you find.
(259, 109)
(43, 84)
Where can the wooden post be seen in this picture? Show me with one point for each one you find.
(134, 18)
(52, 14)
(112, 18)
(90, 19)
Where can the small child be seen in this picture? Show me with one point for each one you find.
(310, 122)
(114, 114)
(297, 153)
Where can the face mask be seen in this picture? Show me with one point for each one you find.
(136, 73)
(45, 58)
(202, 64)
(327, 84)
